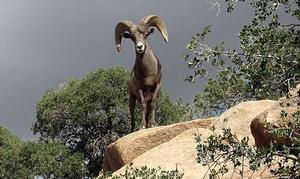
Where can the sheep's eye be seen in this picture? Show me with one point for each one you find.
(126, 34)
(150, 31)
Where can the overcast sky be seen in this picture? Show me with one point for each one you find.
(43, 42)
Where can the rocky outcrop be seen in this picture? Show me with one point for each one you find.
(174, 146)
(129, 147)
(277, 116)
(180, 153)
(239, 117)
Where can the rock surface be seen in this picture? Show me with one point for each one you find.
(275, 116)
(124, 150)
(174, 146)
(239, 117)
(181, 153)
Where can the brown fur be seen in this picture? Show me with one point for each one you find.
(145, 77)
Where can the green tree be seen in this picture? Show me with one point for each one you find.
(9, 149)
(19, 159)
(266, 65)
(52, 160)
(88, 114)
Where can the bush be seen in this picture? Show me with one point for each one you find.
(20, 159)
(146, 173)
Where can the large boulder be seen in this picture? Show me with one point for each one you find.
(280, 115)
(126, 149)
(174, 146)
(180, 153)
(239, 117)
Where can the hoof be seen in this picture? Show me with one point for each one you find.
(153, 124)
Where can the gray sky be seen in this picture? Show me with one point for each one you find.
(43, 42)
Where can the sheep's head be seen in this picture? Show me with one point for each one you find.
(139, 33)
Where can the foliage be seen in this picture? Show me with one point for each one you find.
(146, 173)
(169, 112)
(20, 159)
(90, 113)
(9, 149)
(219, 150)
(52, 160)
(266, 65)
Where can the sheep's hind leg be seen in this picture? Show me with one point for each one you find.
(132, 103)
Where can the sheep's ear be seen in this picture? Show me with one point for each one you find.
(121, 27)
(126, 34)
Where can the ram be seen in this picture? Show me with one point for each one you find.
(145, 80)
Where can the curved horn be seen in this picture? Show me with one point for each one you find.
(121, 27)
(153, 20)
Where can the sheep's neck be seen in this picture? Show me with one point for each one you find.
(147, 60)
(146, 67)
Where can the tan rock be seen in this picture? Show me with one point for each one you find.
(273, 116)
(124, 150)
(239, 117)
(181, 153)
(290, 105)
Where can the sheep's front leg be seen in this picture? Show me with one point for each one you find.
(153, 105)
(132, 102)
(144, 106)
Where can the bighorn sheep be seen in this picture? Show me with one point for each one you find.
(145, 79)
